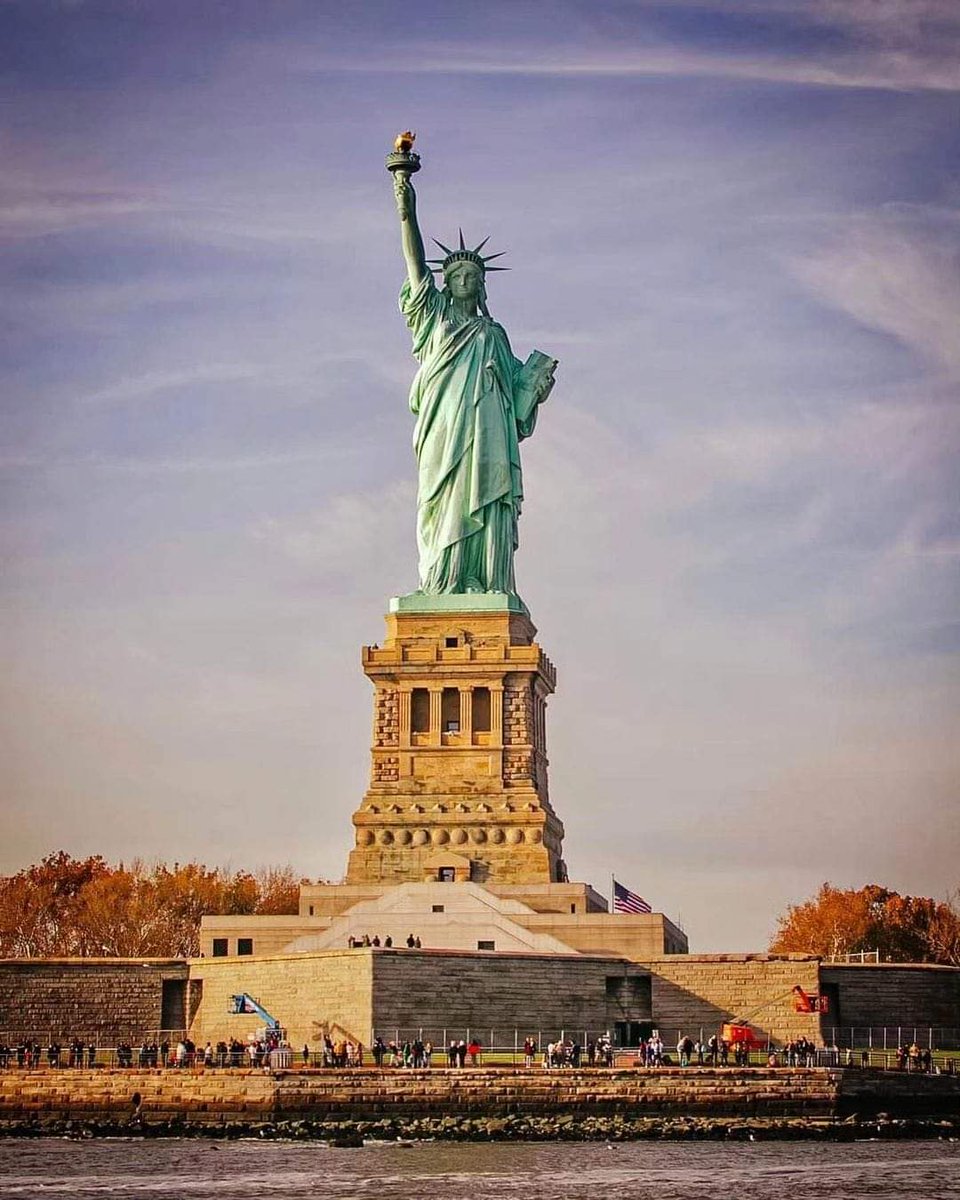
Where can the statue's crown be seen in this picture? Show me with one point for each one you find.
(464, 255)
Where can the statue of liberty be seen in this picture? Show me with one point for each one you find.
(474, 402)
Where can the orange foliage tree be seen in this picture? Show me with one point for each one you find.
(278, 890)
(839, 921)
(66, 907)
(40, 906)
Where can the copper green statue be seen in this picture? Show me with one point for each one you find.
(474, 403)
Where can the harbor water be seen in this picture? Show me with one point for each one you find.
(181, 1170)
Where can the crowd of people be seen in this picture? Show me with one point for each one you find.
(800, 1053)
(912, 1058)
(184, 1053)
(567, 1052)
(355, 943)
(415, 1052)
(713, 1051)
(30, 1053)
(342, 1053)
(420, 1052)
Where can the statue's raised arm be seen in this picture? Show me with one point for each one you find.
(404, 165)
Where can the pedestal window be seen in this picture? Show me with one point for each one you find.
(481, 710)
(420, 710)
(450, 711)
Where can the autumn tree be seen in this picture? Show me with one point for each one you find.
(64, 906)
(278, 889)
(944, 930)
(120, 916)
(39, 906)
(185, 893)
(839, 921)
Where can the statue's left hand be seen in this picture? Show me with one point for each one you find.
(547, 380)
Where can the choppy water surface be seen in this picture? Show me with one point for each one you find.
(172, 1170)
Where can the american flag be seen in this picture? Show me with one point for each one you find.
(626, 901)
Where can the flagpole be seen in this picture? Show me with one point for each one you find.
(613, 888)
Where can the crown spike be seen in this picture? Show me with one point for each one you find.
(463, 254)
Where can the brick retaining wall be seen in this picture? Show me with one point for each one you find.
(899, 1092)
(214, 1096)
(232, 1096)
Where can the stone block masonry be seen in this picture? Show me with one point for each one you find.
(892, 994)
(224, 1096)
(363, 992)
(458, 755)
(109, 1000)
(691, 993)
(100, 1000)
(529, 993)
(307, 993)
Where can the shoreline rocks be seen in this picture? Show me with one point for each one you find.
(518, 1128)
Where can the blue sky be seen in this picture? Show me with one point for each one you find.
(737, 226)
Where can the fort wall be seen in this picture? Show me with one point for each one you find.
(527, 993)
(694, 992)
(364, 992)
(892, 994)
(111, 1000)
(307, 993)
(101, 1000)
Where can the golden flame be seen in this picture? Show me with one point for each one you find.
(404, 142)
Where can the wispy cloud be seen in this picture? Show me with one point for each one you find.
(863, 44)
(189, 464)
(39, 197)
(879, 69)
(44, 214)
(143, 387)
(896, 273)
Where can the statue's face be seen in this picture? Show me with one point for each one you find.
(464, 280)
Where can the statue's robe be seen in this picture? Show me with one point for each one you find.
(466, 440)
